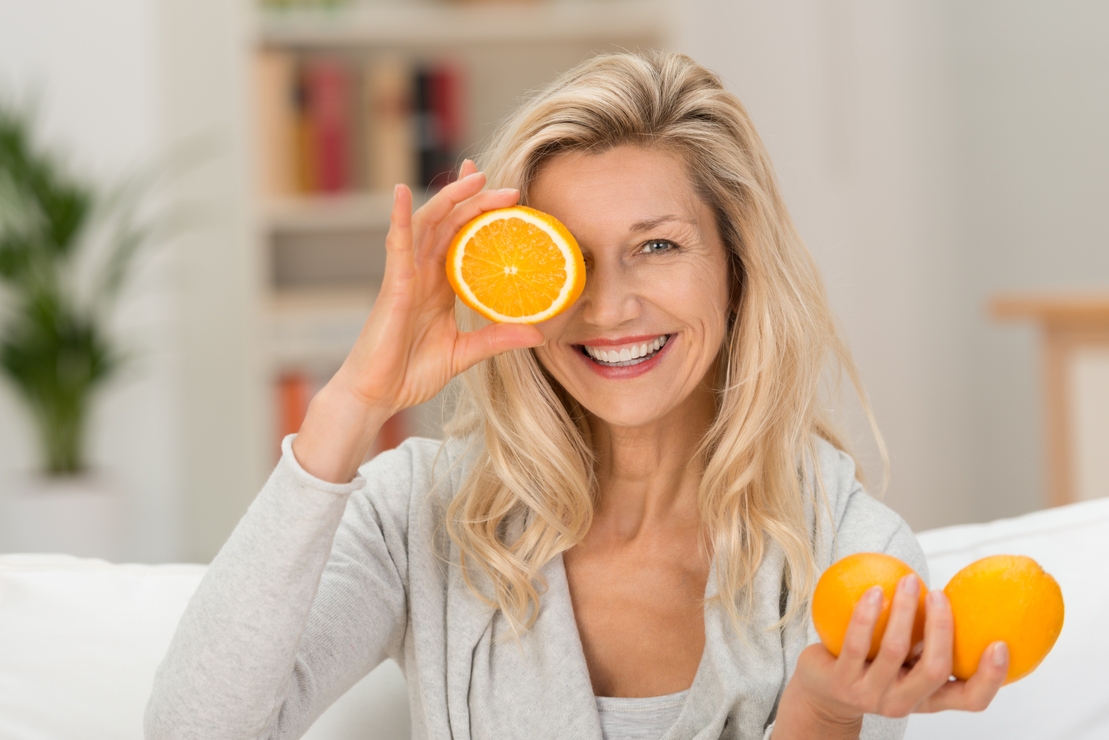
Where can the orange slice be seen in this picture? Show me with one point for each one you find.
(516, 265)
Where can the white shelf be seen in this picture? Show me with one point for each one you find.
(314, 328)
(421, 26)
(339, 212)
(355, 211)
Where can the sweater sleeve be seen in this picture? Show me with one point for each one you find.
(307, 595)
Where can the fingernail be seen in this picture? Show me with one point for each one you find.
(1000, 654)
(463, 167)
(396, 191)
(874, 596)
(937, 597)
(508, 190)
(472, 175)
(910, 585)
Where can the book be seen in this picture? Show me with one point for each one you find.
(330, 124)
(294, 390)
(327, 102)
(275, 115)
(439, 122)
(390, 126)
(305, 154)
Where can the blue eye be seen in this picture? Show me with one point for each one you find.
(658, 245)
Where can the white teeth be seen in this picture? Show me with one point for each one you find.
(625, 357)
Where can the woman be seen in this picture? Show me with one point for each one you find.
(606, 545)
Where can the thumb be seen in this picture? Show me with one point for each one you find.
(492, 340)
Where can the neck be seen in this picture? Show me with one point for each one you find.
(651, 474)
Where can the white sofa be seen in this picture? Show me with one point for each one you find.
(80, 639)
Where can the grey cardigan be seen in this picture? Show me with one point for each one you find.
(319, 583)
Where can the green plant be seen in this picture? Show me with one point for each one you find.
(65, 249)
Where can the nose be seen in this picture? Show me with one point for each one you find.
(609, 298)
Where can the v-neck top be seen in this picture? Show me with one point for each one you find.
(639, 718)
(319, 583)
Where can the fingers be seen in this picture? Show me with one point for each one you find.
(860, 631)
(897, 641)
(976, 693)
(473, 347)
(468, 211)
(451, 208)
(439, 206)
(399, 259)
(993, 669)
(902, 689)
(934, 667)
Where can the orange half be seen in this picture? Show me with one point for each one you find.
(516, 265)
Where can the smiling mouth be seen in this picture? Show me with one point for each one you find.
(628, 356)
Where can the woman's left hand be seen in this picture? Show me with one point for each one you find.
(828, 696)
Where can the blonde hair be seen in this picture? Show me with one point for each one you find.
(531, 494)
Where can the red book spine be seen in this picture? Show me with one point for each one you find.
(329, 92)
(294, 392)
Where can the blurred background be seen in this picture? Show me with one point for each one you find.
(944, 159)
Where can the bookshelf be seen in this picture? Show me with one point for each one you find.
(371, 75)
(435, 25)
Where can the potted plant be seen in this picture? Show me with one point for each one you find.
(65, 251)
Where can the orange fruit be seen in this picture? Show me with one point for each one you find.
(1004, 597)
(845, 582)
(516, 265)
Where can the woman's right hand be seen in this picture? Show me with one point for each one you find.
(410, 346)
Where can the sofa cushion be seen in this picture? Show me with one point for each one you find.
(80, 640)
(1066, 696)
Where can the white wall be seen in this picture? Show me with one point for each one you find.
(852, 102)
(933, 155)
(95, 72)
(123, 84)
(1033, 97)
(206, 97)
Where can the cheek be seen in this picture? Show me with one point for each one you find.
(552, 354)
(554, 328)
(705, 298)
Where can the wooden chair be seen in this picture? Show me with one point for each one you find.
(1076, 389)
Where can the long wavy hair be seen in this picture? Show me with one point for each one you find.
(532, 491)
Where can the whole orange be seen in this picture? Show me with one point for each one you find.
(845, 582)
(1004, 597)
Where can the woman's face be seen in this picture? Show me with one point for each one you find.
(656, 274)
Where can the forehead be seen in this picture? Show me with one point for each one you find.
(626, 188)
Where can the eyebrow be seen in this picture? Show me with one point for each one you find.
(651, 223)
